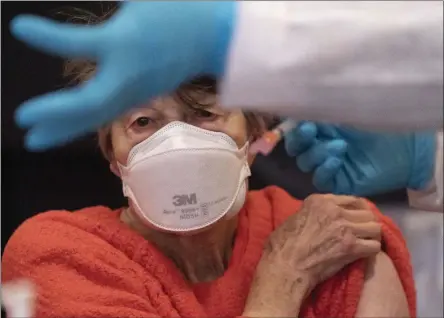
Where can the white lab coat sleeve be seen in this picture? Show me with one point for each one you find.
(431, 198)
(375, 64)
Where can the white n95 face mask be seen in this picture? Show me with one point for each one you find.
(184, 178)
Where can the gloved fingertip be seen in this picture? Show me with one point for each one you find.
(21, 25)
(327, 131)
(308, 130)
(324, 176)
(324, 187)
(291, 146)
(31, 147)
(34, 143)
(333, 163)
(337, 147)
(16, 23)
(300, 138)
(22, 118)
(303, 164)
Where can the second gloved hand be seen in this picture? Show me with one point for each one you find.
(147, 49)
(350, 161)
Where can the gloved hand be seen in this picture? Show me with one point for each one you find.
(147, 49)
(350, 161)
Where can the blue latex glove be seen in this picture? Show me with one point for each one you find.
(349, 161)
(147, 49)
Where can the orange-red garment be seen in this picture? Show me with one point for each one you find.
(89, 264)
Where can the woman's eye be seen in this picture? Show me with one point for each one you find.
(142, 121)
(204, 114)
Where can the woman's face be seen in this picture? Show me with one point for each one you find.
(145, 121)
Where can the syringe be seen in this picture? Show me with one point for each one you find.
(271, 138)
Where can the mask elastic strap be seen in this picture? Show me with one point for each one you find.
(123, 173)
(246, 167)
(244, 150)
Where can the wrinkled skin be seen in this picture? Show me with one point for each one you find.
(311, 246)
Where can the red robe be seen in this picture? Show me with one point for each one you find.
(89, 264)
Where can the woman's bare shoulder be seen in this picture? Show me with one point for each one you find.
(384, 293)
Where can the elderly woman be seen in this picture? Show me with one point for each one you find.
(193, 242)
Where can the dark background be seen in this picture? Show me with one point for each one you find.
(75, 176)
(70, 177)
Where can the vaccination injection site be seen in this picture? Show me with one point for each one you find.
(231, 159)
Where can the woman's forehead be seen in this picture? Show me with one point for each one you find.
(169, 104)
(159, 105)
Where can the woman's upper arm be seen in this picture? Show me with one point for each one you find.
(75, 274)
(383, 294)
